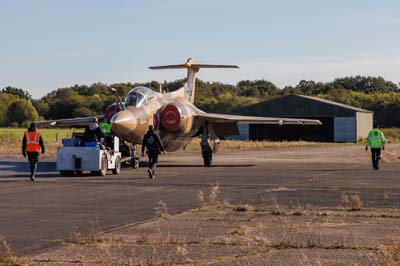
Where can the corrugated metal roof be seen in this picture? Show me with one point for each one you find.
(334, 103)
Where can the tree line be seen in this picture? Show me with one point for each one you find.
(18, 108)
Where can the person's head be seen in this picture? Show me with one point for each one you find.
(151, 128)
(32, 126)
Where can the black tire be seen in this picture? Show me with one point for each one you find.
(135, 163)
(66, 173)
(117, 169)
(103, 165)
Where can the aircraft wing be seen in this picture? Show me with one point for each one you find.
(226, 125)
(222, 118)
(73, 122)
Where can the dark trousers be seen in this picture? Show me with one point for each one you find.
(153, 159)
(33, 158)
(375, 155)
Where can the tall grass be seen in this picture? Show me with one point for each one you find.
(11, 140)
(259, 145)
(48, 134)
(392, 134)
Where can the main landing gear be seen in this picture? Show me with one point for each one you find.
(206, 151)
(134, 157)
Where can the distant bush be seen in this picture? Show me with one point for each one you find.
(14, 124)
(20, 111)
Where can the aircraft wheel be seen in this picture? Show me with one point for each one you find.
(135, 163)
(103, 170)
(117, 168)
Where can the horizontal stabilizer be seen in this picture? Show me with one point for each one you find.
(168, 67)
(192, 66)
(190, 63)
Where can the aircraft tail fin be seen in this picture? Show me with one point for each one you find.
(192, 69)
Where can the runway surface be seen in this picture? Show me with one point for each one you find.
(38, 216)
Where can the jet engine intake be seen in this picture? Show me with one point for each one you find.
(176, 118)
(111, 110)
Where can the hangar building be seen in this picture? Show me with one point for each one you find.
(341, 123)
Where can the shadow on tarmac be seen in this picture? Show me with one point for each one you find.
(202, 166)
(23, 166)
(144, 164)
(20, 169)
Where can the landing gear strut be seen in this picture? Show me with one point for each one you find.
(134, 157)
(205, 147)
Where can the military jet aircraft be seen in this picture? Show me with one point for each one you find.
(175, 116)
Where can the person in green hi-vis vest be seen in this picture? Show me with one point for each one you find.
(376, 142)
(106, 127)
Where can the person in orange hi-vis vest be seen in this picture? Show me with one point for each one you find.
(32, 144)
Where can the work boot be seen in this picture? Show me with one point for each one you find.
(151, 175)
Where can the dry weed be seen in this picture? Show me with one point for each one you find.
(390, 156)
(305, 261)
(95, 236)
(351, 202)
(258, 145)
(212, 200)
(201, 198)
(161, 211)
(386, 197)
(181, 250)
(6, 257)
(214, 194)
(356, 202)
(389, 255)
(240, 231)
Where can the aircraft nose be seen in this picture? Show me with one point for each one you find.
(123, 123)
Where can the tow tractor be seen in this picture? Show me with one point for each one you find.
(77, 157)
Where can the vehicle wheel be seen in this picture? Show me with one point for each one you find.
(135, 163)
(117, 168)
(104, 162)
(79, 172)
(66, 173)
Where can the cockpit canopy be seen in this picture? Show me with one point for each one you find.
(138, 96)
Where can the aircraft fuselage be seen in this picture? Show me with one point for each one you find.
(171, 116)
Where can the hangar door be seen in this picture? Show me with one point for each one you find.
(345, 129)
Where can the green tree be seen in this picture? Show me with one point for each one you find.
(17, 92)
(5, 100)
(365, 84)
(42, 108)
(21, 111)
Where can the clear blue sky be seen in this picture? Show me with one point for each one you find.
(47, 44)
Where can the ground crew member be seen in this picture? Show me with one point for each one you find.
(109, 139)
(106, 127)
(153, 144)
(32, 144)
(94, 133)
(376, 141)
